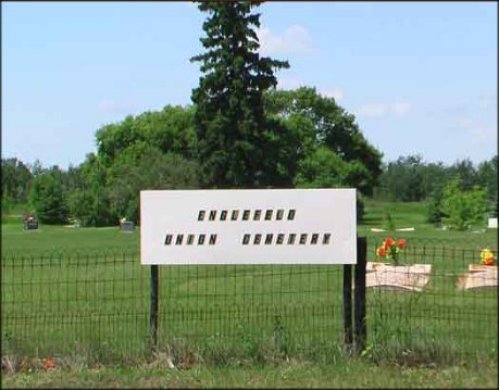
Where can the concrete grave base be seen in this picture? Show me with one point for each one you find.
(397, 277)
(478, 277)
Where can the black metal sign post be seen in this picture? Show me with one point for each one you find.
(153, 316)
(355, 335)
(360, 295)
(347, 306)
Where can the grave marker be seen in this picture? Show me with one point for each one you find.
(401, 277)
(478, 277)
(30, 223)
(127, 226)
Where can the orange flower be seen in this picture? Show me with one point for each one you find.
(381, 251)
(489, 261)
(401, 243)
(48, 363)
(388, 243)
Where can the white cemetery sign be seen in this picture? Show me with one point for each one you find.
(291, 226)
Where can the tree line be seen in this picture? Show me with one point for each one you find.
(240, 132)
(411, 179)
(460, 194)
(106, 186)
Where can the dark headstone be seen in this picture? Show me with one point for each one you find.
(30, 223)
(127, 226)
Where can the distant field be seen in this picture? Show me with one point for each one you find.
(47, 238)
(404, 215)
(407, 214)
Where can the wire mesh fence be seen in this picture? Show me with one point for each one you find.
(96, 304)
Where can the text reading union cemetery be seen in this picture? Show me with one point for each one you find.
(292, 226)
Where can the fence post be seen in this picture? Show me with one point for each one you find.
(153, 315)
(347, 305)
(360, 295)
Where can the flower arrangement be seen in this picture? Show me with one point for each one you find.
(487, 257)
(390, 249)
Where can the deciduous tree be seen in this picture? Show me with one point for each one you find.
(464, 208)
(47, 197)
(328, 144)
(153, 170)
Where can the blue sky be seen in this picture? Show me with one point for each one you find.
(420, 77)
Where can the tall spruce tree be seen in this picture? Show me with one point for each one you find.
(238, 146)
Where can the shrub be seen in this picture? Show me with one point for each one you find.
(464, 208)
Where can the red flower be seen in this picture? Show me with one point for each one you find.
(401, 243)
(48, 363)
(388, 243)
(489, 261)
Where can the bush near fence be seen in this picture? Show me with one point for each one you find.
(94, 305)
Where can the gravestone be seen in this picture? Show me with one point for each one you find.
(478, 277)
(397, 277)
(127, 226)
(30, 223)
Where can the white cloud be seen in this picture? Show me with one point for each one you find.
(480, 134)
(335, 93)
(289, 83)
(487, 102)
(401, 108)
(372, 110)
(377, 110)
(462, 123)
(110, 106)
(296, 39)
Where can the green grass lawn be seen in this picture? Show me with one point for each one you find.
(353, 374)
(16, 240)
(82, 293)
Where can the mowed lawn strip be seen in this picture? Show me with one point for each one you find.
(354, 374)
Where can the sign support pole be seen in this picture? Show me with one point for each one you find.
(153, 315)
(360, 295)
(347, 306)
